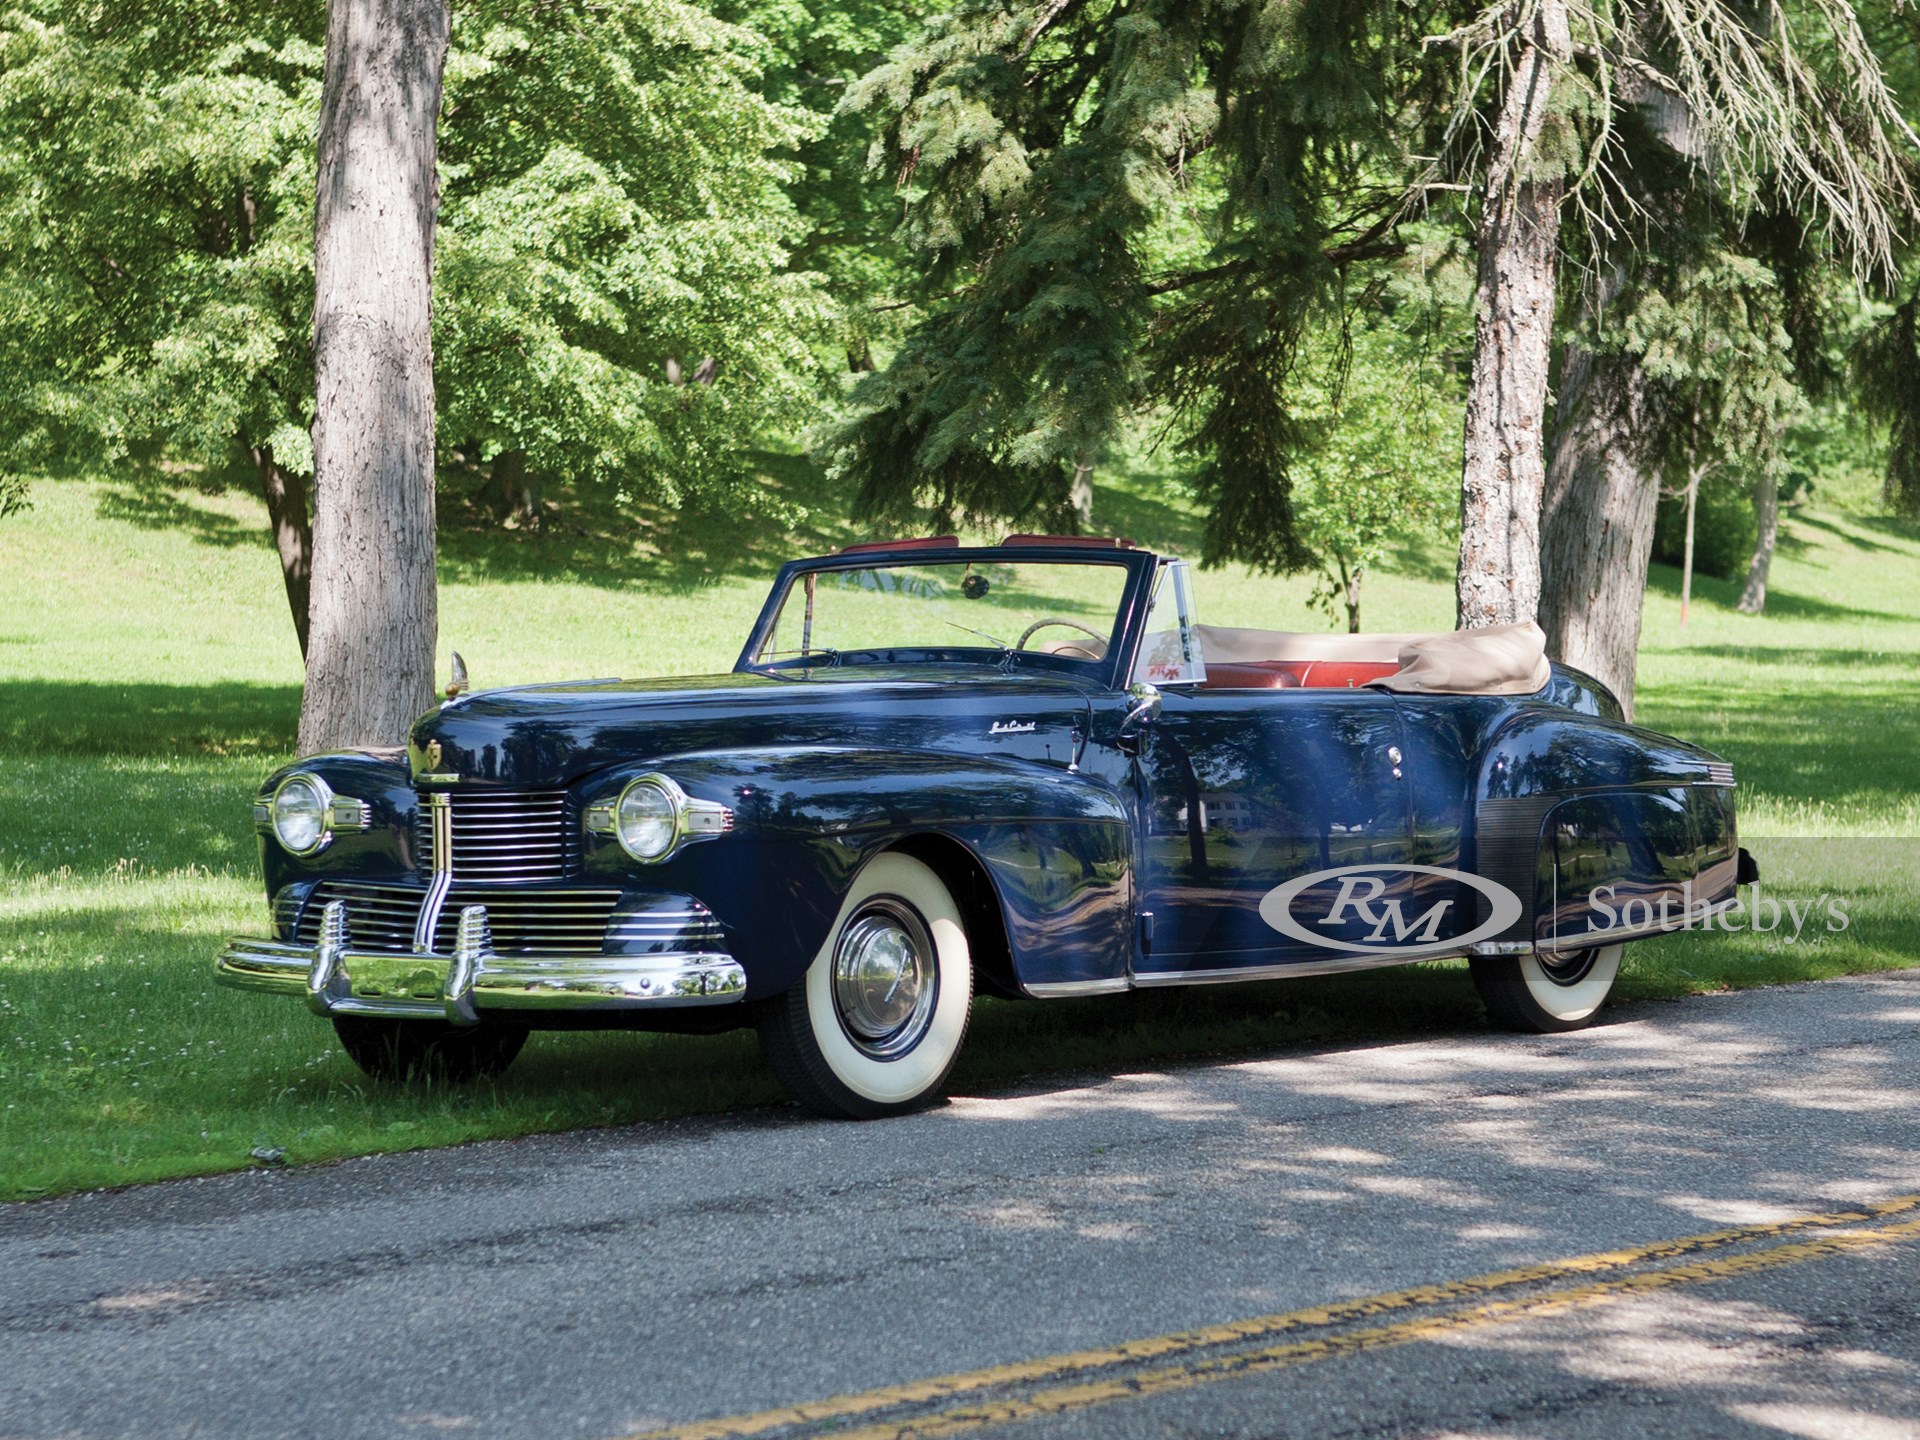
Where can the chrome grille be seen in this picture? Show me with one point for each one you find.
(507, 837)
(533, 921)
(525, 922)
(379, 917)
(676, 928)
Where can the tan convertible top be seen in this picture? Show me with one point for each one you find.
(1496, 660)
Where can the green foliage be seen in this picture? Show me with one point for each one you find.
(613, 199)
(809, 55)
(1885, 365)
(1723, 531)
(1386, 414)
(1048, 155)
(1126, 208)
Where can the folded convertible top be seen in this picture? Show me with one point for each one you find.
(1496, 660)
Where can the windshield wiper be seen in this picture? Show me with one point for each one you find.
(1006, 649)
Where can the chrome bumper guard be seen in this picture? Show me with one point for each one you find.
(338, 980)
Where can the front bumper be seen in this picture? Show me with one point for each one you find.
(475, 979)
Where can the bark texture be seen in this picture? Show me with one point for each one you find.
(373, 607)
(1596, 531)
(1504, 470)
(286, 495)
(1766, 510)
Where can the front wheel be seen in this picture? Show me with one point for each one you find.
(877, 1022)
(428, 1049)
(1545, 995)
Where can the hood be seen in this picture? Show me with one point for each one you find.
(552, 735)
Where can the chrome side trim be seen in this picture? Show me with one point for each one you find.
(440, 838)
(1064, 989)
(1234, 974)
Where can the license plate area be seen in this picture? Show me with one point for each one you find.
(398, 977)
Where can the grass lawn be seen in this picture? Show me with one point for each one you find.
(148, 678)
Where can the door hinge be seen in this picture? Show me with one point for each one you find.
(1146, 932)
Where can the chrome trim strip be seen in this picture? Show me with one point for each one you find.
(1228, 976)
(1063, 989)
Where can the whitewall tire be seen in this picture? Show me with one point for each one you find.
(1546, 994)
(878, 1021)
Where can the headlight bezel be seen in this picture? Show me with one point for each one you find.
(689, 819)
(323, 797)
(337, 813)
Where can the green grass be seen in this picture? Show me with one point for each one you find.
(148, 678)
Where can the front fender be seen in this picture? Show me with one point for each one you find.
(1055, 847)
(383, 850)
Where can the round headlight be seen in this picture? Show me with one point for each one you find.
(300, 813)
(647, 820)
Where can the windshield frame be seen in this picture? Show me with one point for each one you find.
(1135, 599)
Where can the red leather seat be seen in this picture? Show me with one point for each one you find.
(1345, 674)
(1264, 675)
(1295, 674)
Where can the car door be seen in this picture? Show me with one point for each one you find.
(1242, 791)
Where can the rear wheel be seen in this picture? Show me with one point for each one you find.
(876, 1024)
(428, 1049)
(1544, 994)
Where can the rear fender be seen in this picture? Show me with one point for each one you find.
(1571, 812)
(1055, 847)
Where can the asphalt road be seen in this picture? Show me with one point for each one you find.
(622, 1281)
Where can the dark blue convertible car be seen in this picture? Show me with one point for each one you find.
(1025, 770)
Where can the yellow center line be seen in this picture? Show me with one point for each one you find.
(1140, 1384)
(1162, 1347)
(1302, 1352)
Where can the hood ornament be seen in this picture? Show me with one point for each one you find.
(457, 686)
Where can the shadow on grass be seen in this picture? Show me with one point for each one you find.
(158, 502)
(1664, 580)
(1890, 525)
(68, 717)
(1820, 743)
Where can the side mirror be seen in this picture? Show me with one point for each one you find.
(1144, 710)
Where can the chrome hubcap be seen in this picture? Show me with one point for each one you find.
(885, 978)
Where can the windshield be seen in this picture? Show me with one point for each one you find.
(1056, 613)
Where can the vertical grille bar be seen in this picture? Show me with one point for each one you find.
(439, 807)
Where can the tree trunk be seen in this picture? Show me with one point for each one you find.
(508, 493)
(1080, 497)
(375, 624)
(1766, 509)
(286, 497)
(1596, 525)
(1504, 467)
(1686, 550)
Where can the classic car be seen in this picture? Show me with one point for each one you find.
(1026, 770)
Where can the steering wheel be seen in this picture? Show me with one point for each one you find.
(1041, 624)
